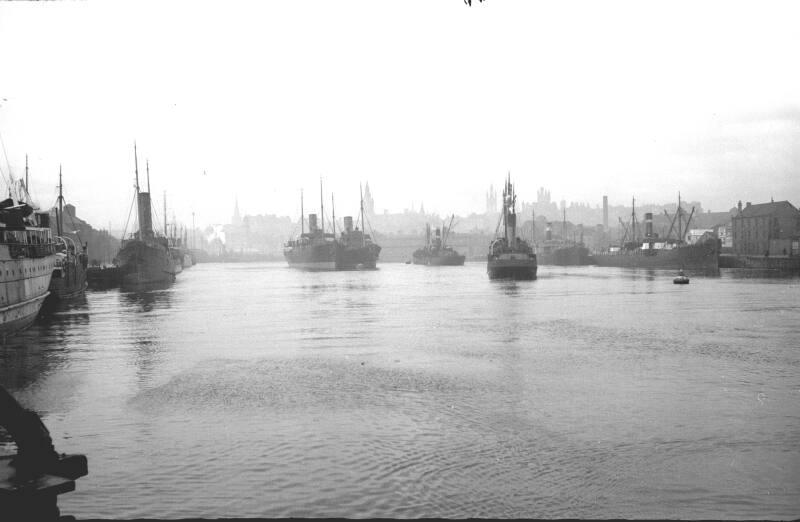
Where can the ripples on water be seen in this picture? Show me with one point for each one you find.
(256, 390)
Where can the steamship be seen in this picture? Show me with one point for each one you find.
(69, 273)
(562, 252)
(509, 256)
(652, 251)
(318, 250)
(27, 257)
(436, 252)
(144, 259)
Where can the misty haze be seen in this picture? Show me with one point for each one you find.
(425, 259)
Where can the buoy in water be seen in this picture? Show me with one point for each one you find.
(681, 279)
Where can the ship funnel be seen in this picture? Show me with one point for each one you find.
(348, 224)
(312, 222)
(648, 225)
(548, 233)
(145, 217)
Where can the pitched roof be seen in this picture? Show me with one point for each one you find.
(769, 209)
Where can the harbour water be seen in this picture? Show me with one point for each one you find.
(256, 390)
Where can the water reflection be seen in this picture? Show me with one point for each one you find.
(756, 273)
(146, 300)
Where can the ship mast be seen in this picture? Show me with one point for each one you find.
(321, 209)
(680, 234)
(60, 216)
(633, 219)
(136, 167)
(363, 227)
(302, 218)
(333, 216)
(26, 176)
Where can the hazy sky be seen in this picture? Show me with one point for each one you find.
(428, 100)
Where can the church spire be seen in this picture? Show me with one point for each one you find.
(237, 218)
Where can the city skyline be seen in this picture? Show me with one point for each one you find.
(427, 102)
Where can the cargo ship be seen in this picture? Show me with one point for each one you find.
(509, 256)
(318, 250)
(71, 263)
(27, 258)
(651, 251)
(436, 252)
(145, 259)
(562, 252)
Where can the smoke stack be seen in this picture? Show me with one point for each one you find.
(312, 222)
(348, 224)
(145, 218)
(648, 225)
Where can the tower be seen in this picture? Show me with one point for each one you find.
(237, 218)
(491, 200)
(369, 204)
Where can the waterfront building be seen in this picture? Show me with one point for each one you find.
(766, 229)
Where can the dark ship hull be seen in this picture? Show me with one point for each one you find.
(357, 258)
(702, 256)
(68, 281)
(312, 257)
(103, 277)
(565, 256)
(517, 266)
(438, 259)
(143, 263)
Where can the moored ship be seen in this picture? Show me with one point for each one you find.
(509, 256)
(654, 252)
(145, 259)
(27, 257)
(562, 252)
(312, 250)
(318, 250)
(69, 272)
(355, 249)
(436, 252)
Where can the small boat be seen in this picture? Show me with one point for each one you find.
(681, 279)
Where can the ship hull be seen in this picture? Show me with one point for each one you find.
(512, 266)
(569, 256)
(24, 283)
(20, 316)
(691, 257)
(439, 260)
(361, 258)
(68, 281)
(144, 264)
(312, 257)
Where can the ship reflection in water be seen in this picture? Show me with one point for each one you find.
(259, 391)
